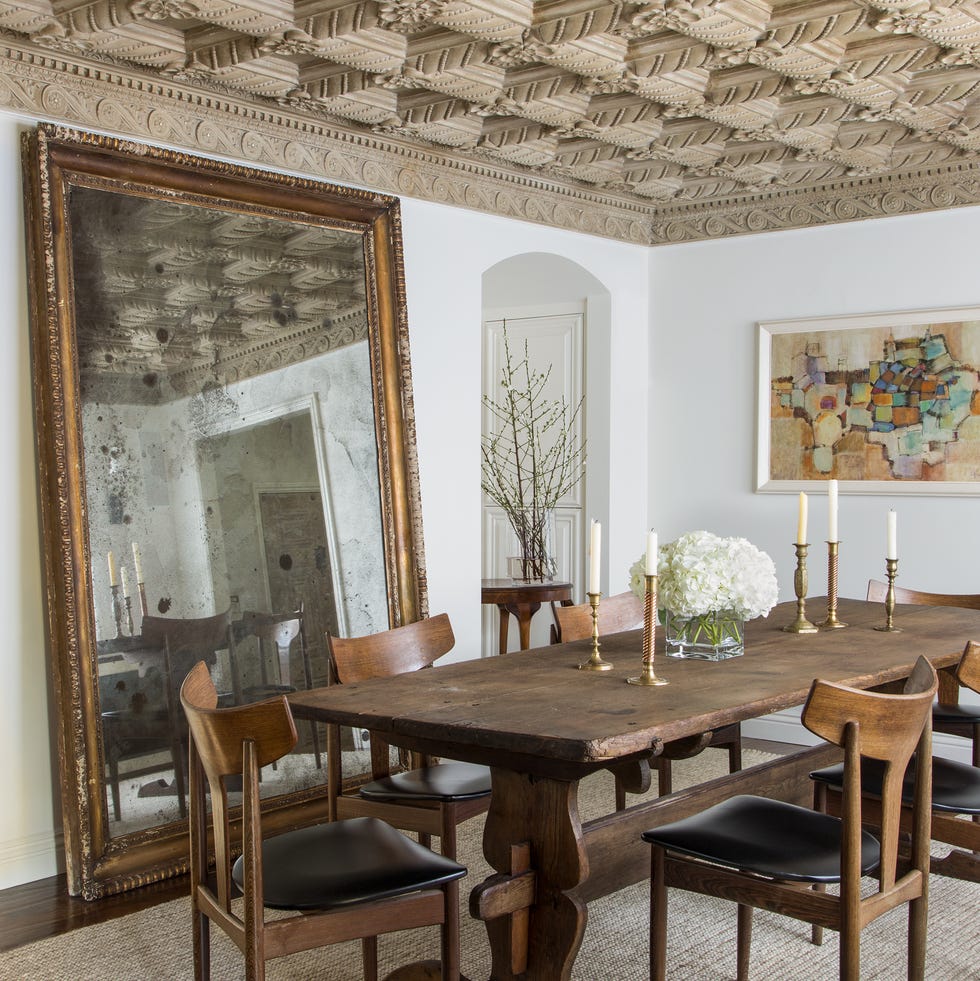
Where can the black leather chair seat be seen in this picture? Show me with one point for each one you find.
(967, 713)
(344, 863)
(442, 781)
(955, 786)
(769, 837)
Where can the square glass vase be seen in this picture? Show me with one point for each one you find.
(714, 636)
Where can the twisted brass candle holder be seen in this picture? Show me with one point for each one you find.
(891, 570)
(129, 614)
(142, 591)
(649, 676)
(832, 623)
(595, 662)
(800, 625)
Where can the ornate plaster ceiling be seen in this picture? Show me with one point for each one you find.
(688, 118)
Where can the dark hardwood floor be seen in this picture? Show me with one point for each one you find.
(41, 909)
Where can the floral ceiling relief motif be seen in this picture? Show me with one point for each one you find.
(705, 117)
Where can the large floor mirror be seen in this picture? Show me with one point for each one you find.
(227, 459)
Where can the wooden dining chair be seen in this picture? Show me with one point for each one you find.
(274, 635)
(149, 722)
(955, 794)
(624, 611)
(952, 718)
(778, 856)
(345, 879)
(431, 798)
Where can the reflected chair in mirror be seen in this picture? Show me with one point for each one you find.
(624, 611)
(344, 880)
(148, 723)
(950, 716)
(955, 794)
(432, 798)
(765, 853)
(274, 635)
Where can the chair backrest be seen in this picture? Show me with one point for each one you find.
(877, 591)
(624, 611)
(397, 651)
(968, 670)
(238, 740)
(197, 638)
(280, 629)
(886, 727)
(391, 652)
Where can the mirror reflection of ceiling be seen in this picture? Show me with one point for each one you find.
(675, 106)
(172, 297)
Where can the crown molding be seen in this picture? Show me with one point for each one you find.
(204, 118)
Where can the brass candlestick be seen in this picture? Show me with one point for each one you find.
(831, 623)
(891, 570)
(129, 614)
(142, 591)
(800, 625)
(649, 676)
(595, 662)
(117, 610)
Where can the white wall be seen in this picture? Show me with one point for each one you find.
(706, 301)
(447, 251)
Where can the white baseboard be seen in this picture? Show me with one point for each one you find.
(29, 859)
(785, 727)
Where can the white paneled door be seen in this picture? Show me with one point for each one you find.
(555, 338)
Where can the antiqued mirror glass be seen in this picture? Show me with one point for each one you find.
(227, 463)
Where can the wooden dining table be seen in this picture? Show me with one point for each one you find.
(542, 725)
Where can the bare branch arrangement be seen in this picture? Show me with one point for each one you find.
(531, 458)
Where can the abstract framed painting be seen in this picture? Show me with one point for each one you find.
(886, 403)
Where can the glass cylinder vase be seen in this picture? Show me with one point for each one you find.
(712, 636)
(532, 557)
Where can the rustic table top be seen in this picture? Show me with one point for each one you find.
(537, 704)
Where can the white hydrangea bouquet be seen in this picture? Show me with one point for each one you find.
(708, 586)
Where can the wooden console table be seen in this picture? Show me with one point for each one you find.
(523, 600)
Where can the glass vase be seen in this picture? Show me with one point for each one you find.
(533, 558)
(712, 636)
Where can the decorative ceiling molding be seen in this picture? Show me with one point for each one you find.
(649, 122)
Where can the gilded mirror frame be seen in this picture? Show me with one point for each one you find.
(56, 159)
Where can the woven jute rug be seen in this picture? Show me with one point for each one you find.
(701, 946)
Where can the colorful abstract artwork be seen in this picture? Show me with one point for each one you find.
(888, 400)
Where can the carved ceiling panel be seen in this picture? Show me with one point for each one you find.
(672, 106)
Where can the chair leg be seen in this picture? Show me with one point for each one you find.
(917, 939)
(850, 950)
(744, 942)
(819, 804)
(448, 832)
(665, 781)
(658, 916)
(114, 783)
(369, 957)
(450, 935)
(735, 755)
(202, 944)
(620, 795)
